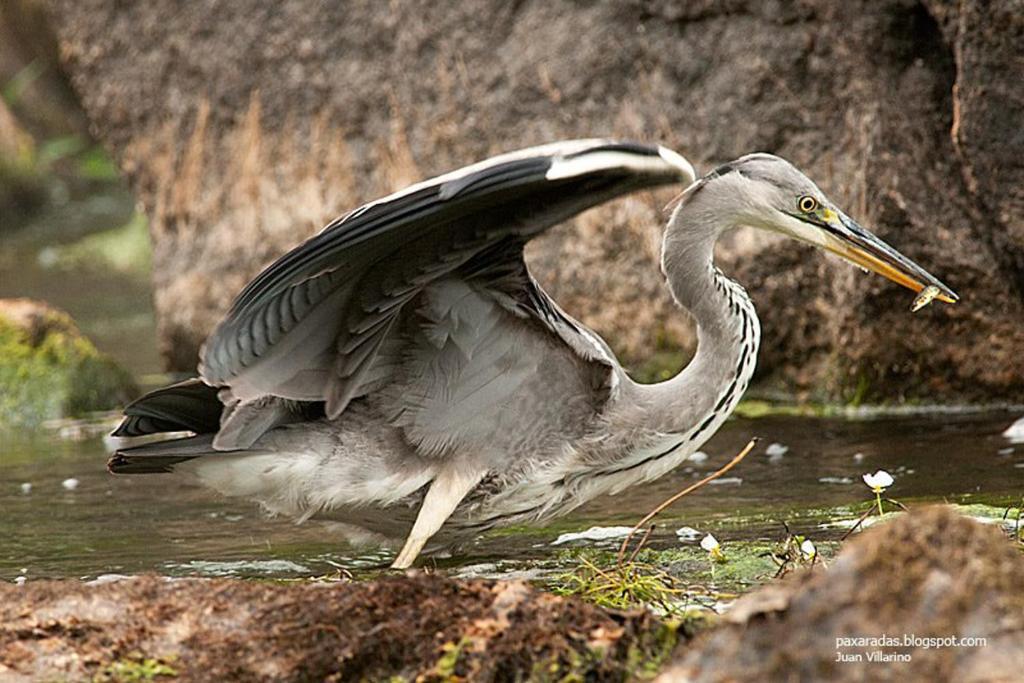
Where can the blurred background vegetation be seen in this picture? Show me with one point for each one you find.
(72, 241)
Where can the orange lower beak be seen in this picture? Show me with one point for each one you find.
(910, 280)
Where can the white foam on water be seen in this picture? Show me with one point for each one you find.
(594, 533)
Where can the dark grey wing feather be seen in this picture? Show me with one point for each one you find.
(189, 406)
(194, 406)
(338, 295)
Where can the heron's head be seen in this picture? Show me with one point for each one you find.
(767, 192)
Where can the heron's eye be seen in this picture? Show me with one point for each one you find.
(807, 204)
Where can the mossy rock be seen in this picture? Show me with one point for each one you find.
(49, 370)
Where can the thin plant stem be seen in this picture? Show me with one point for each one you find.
(689, 489)
(640, 545)
(860, 521)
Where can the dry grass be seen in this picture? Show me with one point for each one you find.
(396, 165)
(287, 183)
(228, 201)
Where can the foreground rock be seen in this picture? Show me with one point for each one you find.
(244, 126)
(934, 574)
(49, 370)
(419, 627)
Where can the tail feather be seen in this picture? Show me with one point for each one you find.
(160, 456)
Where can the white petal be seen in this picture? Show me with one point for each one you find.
(1015, 432)
(594, 533)
(808, 549)
(879, 480)
(709, 543)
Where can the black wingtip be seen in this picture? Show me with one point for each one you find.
(123, 430)
(122, 463)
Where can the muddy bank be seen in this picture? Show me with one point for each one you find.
(417, 627)
(932, 574)
(243, 127)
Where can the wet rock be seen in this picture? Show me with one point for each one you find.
(930, 574)
(418, 627)
(244, 126)
(49, 370)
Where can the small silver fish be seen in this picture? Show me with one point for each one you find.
(925, 297)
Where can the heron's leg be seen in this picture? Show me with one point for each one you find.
(445, 492)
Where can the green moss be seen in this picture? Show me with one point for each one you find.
(753, 408)
(680, 581)
(746, 564)
(57, 376)
(444, 669)
(989, 511)
(647, 658)
(137, 669)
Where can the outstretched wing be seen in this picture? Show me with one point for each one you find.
(310, 326)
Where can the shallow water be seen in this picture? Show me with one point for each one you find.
(157, 523)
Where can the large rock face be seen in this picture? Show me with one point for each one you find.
(244, 126)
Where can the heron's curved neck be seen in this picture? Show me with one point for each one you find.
(697, 400)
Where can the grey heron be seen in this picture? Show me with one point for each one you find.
(402, 371)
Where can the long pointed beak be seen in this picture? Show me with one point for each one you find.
(844, 237)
